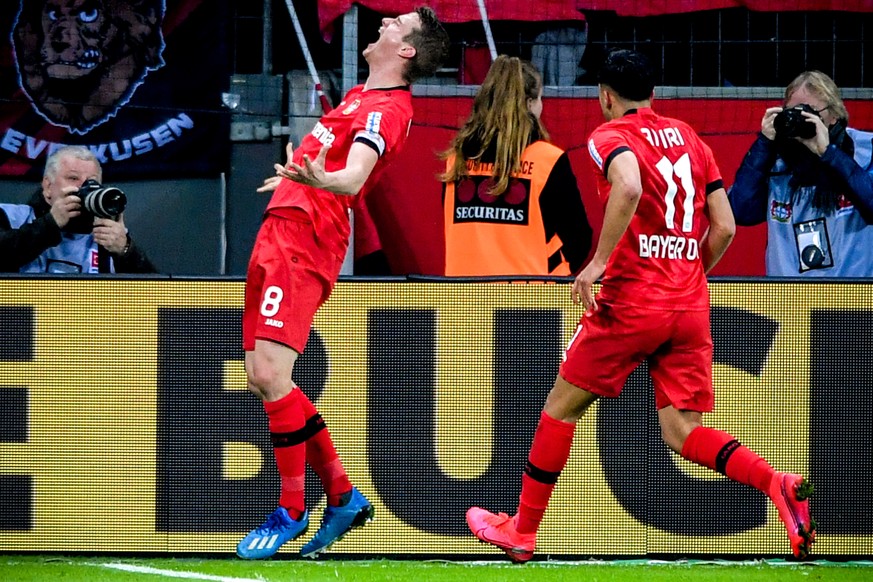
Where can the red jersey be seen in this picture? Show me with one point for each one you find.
(657, 262)
(379, 118)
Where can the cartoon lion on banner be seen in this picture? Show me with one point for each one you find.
(79, 61)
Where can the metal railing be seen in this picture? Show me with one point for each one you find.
(732, 47)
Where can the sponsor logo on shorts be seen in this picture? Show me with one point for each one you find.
(275, 323)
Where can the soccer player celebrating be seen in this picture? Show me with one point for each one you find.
(660, 183)
(297, 258)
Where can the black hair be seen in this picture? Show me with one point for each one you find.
(628, 73)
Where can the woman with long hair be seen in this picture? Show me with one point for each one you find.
(511, 202)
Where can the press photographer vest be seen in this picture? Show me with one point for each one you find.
(503, 235)
(76, 253)
(849, 236)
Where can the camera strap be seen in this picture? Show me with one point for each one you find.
(841, 138)
(104, 260)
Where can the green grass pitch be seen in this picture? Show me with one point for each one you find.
(38, 568)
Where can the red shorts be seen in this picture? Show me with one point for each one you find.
(289, 277)
(611, 342)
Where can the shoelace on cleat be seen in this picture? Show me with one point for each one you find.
(273, 522)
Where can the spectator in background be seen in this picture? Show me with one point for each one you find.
(653, 305)
(53, 233)
(810, 177)
(558, 51)
(511, 201)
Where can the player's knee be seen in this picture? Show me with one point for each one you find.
(671, 439)
(567, 402)
(262, 379)
(255, 389)
(674, 434)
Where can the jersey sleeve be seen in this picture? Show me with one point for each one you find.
(382, 126)
(713, 174)
(603, 145)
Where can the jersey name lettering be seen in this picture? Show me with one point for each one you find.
(664, 138)
(668, 247)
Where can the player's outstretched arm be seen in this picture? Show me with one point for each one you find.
(347, 181)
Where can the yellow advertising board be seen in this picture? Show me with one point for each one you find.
(126, 425)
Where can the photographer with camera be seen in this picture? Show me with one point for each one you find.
(809, 176)
(72, 224)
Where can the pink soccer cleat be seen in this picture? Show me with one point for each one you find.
(791, 494)
(499, 530)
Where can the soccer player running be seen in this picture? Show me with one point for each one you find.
(660, 183)
(297, 258)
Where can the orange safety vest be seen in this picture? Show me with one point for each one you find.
(502, 235)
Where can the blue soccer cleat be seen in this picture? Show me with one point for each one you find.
(264, 541)
(337, 522)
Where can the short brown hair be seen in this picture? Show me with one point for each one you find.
(431, 44)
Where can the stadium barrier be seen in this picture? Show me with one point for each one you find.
(126, 425)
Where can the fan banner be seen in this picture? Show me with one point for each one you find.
(138, 82)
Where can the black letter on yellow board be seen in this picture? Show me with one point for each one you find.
(840, 430)
(16, 345)
(196, 416)
(402, 437)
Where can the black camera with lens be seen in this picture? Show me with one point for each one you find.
(101, 201)
(790, 123)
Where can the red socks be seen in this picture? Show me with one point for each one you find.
(723, 453)
(548, 455)
(321, 454)
(286, 431)
(299, 436)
